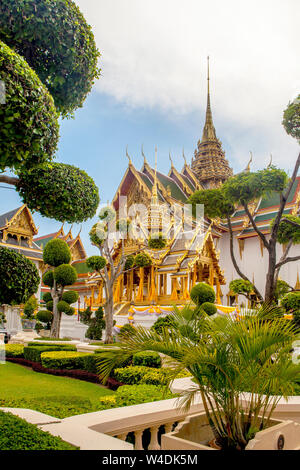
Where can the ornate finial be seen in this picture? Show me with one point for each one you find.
(128, 156)
(271, 161)
(250, 161)
(297, 285)
(208, 74)
(184, 156)
(143, 155)
(209, 132)
(172, 164)
(154, 188)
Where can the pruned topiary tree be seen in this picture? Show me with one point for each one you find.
(61, 274)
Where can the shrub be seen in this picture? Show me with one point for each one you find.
(38, 327)
(70, 296)
(48, 279)
(14, 350)
(209, 308)
(85, 316)
(128, 395)
(147, 358)
(291, 301)
(63, 307)
(164, 322)
(96, 325)
(33, 353)
(17, 434)
(157, 241)
(96, 263)
(57, 252)
(47, 297)
(44, 316)
(65, 275)
(30, 307)
(202, 293)
(19, 277)
(49, 305)
(29, 127)
(129, 262)
(141, 374)
(63, 359)
(142, 260)
(89, 363)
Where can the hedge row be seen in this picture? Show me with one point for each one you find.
(63, 360)
(33, 353)
(140, 374)
(17, 434)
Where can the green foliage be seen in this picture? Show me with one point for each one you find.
(65, 275)
(97, 234)
(17, 434)
(63, 359)
(29, 127)
(240, 286)
(157, 241)
(63, 307)
(48, 279)
(247, 186)
(30, 307)
(49, 305)
(291, 118)
(129, 262)
(14, 350)
(70, 296)
(128, 395)
(56, 252)
(126, 331)
(39, 326)
(209, 308)
(47, 297)
(282, 288)
(291, 302)
(59, 191)
(142, 260)
(33, 353)
(133, 375)
(147, 358)
(202, 293)
(107, 214)
(85, 316)
(96, 263)
(96, 325)
(123, 226)
(57, 43)
(214, 201)
(161, 323)
(19, 277)
(44, 316)
(287, 231)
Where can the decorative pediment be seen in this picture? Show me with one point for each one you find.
(21, 225)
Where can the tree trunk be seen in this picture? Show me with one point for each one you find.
(109, 316)
(55, 327)
(270, 278)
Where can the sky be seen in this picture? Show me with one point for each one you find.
(153, 87)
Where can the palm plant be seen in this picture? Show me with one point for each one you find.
(240, 368)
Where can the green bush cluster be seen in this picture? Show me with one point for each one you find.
(63, 359)
(209, 308)
(14, 350)
(202, 293)
(30, 307)
(57, 252)
(33, 353)
(147, 358)
(96, 325)
(133, 375)
(142, 260)
(17, 434)
(164, 322)
(128, 395)
(157, 241)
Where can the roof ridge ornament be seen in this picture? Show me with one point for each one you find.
(128, 156)
(143, 155)
(271, 161)
(171, 160)
(248, 167)
(183, 156)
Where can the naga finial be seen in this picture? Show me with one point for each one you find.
(143, 155)
(128, 156)
(250, 161)
(172, 164)
(184, 156)
(271, 161)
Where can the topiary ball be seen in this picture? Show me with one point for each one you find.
(50, 305)
(29, 128)
(108, 214)
(65, 275)
(202, 293)
(47, 297)
(97, 234)
(70, 312)
(96, 263)
(63, 307)
(142, 260)
(48, 279)
(129, 262)
(209, 308)
(57, 252)
(70, 297)
(44, 316)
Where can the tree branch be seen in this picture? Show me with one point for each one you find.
(9, 180)
(242, 275)
(283, 258)
(287, 260)
(253, 223)
(291, 222)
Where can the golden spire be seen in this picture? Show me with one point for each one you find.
(297, 286)
(247, 169)
(209, 132)
(154, 187)
(128, 156)
(143, 155)
(170, 158)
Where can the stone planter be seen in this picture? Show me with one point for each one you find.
(44, 333)
(195, 433)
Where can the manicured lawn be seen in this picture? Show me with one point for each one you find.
(56, 396)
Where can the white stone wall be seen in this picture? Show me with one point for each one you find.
(254, 264)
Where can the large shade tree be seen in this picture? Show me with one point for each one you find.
(242, 190)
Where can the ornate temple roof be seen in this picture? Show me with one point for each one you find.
(209, 163)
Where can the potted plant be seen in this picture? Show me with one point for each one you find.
(240, 368)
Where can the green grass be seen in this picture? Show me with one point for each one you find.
(57, 396)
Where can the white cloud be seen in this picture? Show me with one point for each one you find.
(154, 55)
